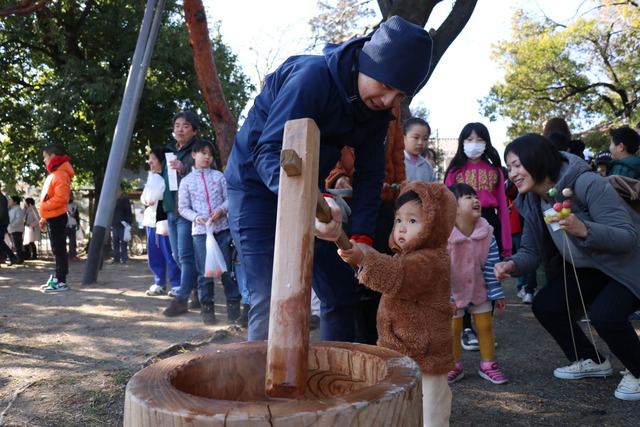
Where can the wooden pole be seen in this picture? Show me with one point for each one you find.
(122, 137)
(288, 345)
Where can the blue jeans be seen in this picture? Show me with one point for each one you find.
(180, 237)
(160, 259)
(252, 219)
(241, 279)
(223, 238)
(119, 245)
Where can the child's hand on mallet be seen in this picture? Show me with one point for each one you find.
(353, 256)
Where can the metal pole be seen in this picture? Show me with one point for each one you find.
(122, 137)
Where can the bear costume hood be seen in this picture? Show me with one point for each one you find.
(439, 210)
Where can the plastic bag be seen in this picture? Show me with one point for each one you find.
(79, 234)
(29, 235)
(214, 264)
(153, 189)
(162, 227)
(127, 233)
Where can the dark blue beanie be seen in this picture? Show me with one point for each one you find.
(398, 54)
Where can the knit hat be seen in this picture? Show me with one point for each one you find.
(604, 157)
(398, 54)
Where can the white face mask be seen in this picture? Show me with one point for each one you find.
(473, 150)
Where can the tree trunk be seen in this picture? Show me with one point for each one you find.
(25, 7)
(418, 12)
(224, 123)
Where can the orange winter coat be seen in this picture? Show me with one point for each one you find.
(56, 191)
(394, 170)
(414, 317)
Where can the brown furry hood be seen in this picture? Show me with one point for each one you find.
(439, 209)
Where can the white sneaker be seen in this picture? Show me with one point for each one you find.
(155, 290)
(584, 369)
(55, 286)
(629, 387)
(49, 283)
(528, 299)
(173, 292)
(521, 293)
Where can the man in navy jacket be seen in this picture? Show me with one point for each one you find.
(349, 92)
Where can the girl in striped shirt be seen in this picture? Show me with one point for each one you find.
(474, 252)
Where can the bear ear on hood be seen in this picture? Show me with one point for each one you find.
(439, 210)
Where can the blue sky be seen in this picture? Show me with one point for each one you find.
(264, 32)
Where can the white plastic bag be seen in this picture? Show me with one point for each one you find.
(162, 227)
(214, 264)
(127, 232)
(153, 189)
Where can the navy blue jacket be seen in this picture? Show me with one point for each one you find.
(315, 87)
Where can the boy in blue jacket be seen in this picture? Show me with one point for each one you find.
(349, 92)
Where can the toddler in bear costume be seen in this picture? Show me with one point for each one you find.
(414, 317)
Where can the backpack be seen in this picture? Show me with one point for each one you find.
(627, 188)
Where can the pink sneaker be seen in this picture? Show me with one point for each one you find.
(455, 374)
(490, 371)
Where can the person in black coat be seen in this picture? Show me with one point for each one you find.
(4, 223)
(122, 217)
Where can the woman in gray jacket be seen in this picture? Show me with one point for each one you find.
(592, 259)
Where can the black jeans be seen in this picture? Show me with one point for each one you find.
(491, 215)
(57, 236)
(71, 235)
(17, 243)
(611, 304)
(30, 251)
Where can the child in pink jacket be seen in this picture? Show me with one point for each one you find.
(474, 287)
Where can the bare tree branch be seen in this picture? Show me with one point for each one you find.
(450, 29)
(25, 7)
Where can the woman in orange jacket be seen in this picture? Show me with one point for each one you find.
(53, 210)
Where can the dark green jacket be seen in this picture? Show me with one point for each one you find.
(170, 198)
(629, 166)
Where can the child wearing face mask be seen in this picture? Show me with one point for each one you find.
(416, 139)
(477, 163)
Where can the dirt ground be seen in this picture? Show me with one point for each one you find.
(65, 358)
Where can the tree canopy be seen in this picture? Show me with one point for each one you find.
(63, 69)
(585, 71)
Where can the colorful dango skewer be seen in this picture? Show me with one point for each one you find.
(563, 209)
